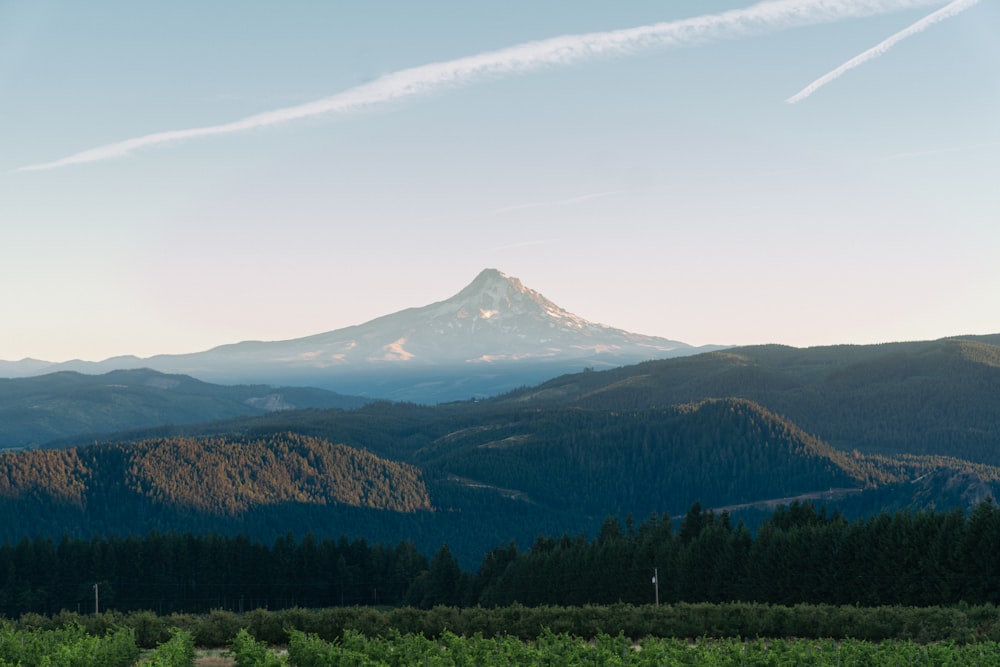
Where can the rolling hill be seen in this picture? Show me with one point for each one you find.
(38, 410)
(859, 428)
(491, 474)
(931, 398)
(260, 485)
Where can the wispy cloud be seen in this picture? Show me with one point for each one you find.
(759, 18)
(950, 10)
(558, 202)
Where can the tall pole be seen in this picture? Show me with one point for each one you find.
(656, 584)
(96, 604)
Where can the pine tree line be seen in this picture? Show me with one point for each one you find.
(800, 555)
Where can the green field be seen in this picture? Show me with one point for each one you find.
(72, 646)
(557, 650)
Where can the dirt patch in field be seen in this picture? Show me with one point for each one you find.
(213, 658)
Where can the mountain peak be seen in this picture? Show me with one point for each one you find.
(509, 332)
(487, 276)
(494, 295)
(492, 280)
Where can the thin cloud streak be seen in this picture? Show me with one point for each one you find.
(956, 7)
(558, 202)
(763, 17)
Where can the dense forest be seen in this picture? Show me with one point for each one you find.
(463, 475)
(862, 429)
(218, 476)
(799, 555)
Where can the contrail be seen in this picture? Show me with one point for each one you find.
(759, 18)
(558, 202)
(952, 9)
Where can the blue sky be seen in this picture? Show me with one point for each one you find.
(664, 187)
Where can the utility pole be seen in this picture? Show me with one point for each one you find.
(96, 602)
(656, 584)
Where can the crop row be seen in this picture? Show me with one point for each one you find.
(559, 650)
(73, 646)
(961, 624)
(68, 646)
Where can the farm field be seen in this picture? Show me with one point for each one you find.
(563, 650)
(702, 634)
(72, 646)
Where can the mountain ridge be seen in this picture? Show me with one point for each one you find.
(925, 397)
(478, 475)
(900, 426)
(39, 409)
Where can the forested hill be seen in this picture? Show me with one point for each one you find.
(936, 398)
(488, 473)
(208, 483)
(596, 462)
(898, 426)
(610, 462)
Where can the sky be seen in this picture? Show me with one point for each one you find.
(177, 176)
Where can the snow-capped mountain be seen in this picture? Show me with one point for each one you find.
(493, 335)
(496, 318)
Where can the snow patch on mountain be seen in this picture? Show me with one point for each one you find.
(394, 351)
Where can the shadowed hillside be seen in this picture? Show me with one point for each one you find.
(602, 462)
(38, 410)
(936, 398)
